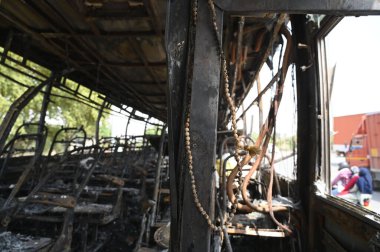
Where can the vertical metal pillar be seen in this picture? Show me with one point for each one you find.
(195, 59)
(97, 129)
(157, 181)
(307, 127)
(7, 46)
(44, 107)
(177, 31)
(128, 121)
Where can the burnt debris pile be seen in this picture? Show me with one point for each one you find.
(76, 195)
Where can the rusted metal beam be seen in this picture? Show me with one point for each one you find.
(137, 48)
(120, 11)
(58, 50)
(119, 15)
(177, 45)
(97, 126)
(268, 51)
(237, 70)
(55, 7)
(7, 46)
(44, 107)
(256, 232)
(113, 179)
(86, 34)
(24, 175)
(61, 53)
(151, 7)
(16, 108)
(49, 45)
(66, 201)
(154, 94)
(127, 64)
(18, 70)
(306, 128)
(76, 99)
(63, 243)
(333, 7)
(152, 217)
(31, 69)
(39, 218)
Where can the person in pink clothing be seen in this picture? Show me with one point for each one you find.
(359, 189)
(342, 178)
(351, 184)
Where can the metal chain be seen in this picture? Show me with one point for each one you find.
(193, 185)
(231, 106)
(234, 126)
(188, 145)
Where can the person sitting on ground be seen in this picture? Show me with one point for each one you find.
(359, 188)
(364, 185)
(340, 181)
(351, 187)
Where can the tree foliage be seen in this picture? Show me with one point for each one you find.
(62, 112)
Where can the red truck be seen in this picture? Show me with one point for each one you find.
(364, 147)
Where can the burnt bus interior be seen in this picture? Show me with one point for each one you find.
(202, 180)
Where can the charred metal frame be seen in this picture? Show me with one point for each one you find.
(62, 32)
(97, 126)
(177, 30)
(158, 175)
(335, 210)
(179, 45)
(44, 107)
(307, 126)
(193, 61)
(333, 7)
(59, 82)
(324, 94)
(16, 108)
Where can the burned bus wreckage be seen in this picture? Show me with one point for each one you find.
(198, 178)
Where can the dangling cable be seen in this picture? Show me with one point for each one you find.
(270, 187)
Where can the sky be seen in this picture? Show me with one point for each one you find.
(119, 123)
(354, 46)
